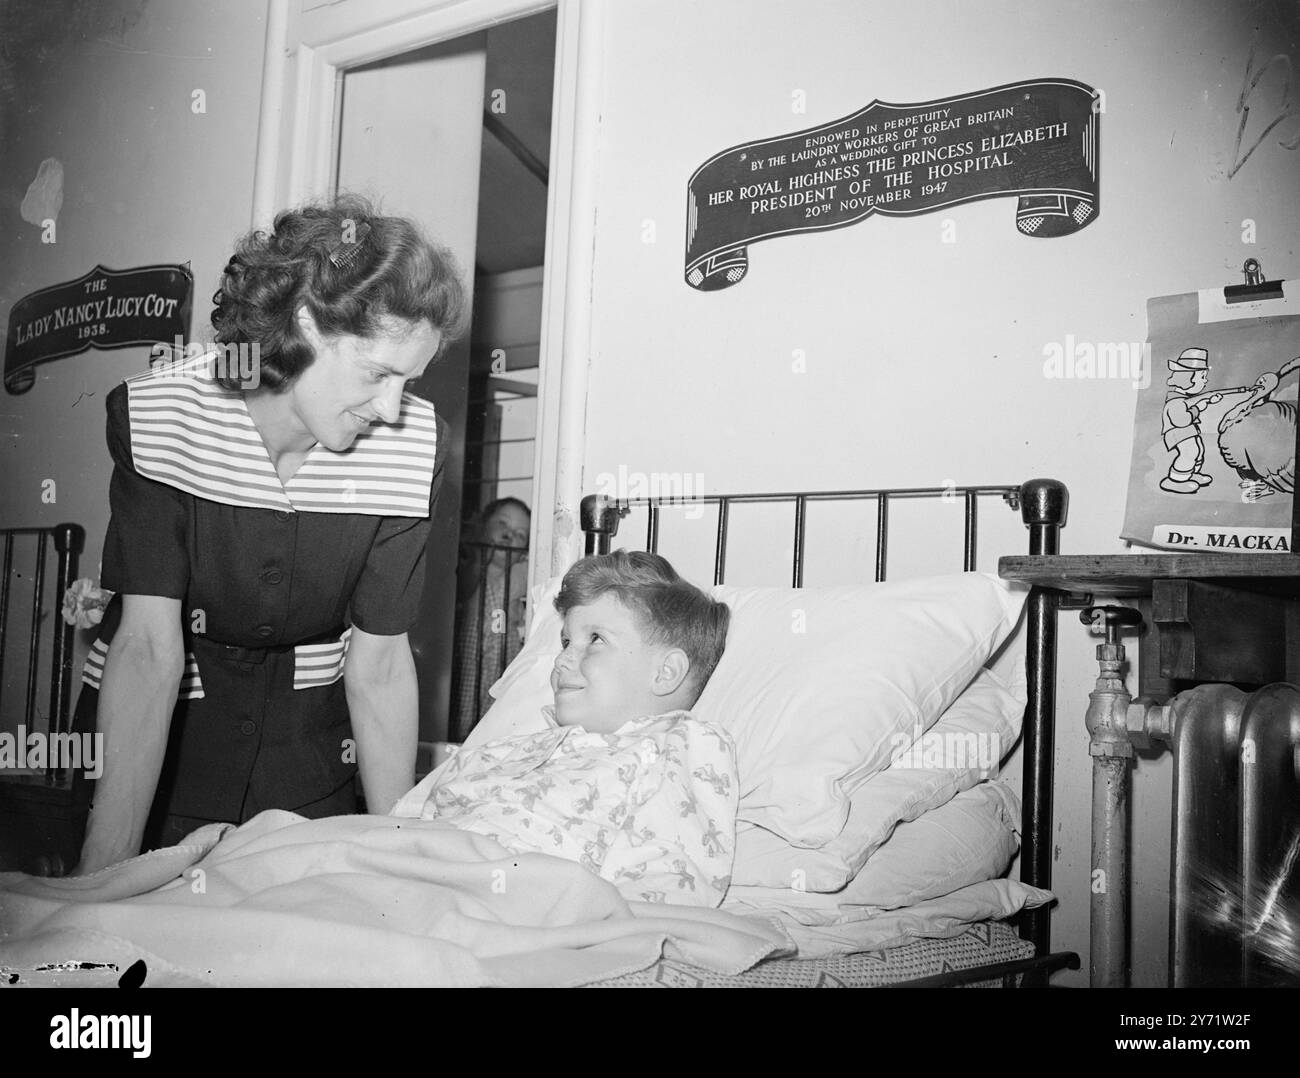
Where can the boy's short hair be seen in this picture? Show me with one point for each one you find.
(668, 610)
(485, 514)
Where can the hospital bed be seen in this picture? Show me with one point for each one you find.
(859, 862)
(930, 942)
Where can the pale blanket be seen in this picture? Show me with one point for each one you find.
(356, 900)
(651, 807)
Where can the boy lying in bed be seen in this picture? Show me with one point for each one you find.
(624, 780)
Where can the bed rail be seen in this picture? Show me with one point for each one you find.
(41, 814)
(1032, 971)
(68, 541)
(601, 514)
(1043, 505)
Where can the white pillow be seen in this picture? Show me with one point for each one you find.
(816, 684)
(970, 839)
(975, 733)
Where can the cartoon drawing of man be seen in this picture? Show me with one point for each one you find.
(1181, 427)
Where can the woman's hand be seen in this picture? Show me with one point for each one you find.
(379, 676)
(136, 697)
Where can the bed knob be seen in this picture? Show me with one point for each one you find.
(599, 515)
(1042, 507)
(1043, 501)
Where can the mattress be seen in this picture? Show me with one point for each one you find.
(982, 944)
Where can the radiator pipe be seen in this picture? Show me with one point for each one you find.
(1111, 752)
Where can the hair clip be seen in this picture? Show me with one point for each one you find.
(344, 253)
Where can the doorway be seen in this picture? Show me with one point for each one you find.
(456, 135)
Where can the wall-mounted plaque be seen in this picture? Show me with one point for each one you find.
(104, 309)
(1037, 140)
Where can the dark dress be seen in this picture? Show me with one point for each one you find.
(266, 596)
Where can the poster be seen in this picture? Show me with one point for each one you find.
(1214, 437)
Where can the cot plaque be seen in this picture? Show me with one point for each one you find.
(104, 309)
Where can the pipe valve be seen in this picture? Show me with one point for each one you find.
(1110, 620)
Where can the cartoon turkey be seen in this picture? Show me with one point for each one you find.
(1257, 437)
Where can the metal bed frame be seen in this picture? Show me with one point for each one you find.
(1042, 504)
(68, 539)
(40, 817)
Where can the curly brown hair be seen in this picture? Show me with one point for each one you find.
(382, 267)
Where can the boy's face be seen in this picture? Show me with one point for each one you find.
(604, 676)
(508, 526)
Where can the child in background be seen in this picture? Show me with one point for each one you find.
(624, 780)
(491, 610)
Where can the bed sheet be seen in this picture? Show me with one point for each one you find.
(351, 901)
(855, 930)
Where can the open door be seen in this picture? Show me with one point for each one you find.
(454, 136)
(410, 132)
(327, 64)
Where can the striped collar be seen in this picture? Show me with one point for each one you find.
(192, 434)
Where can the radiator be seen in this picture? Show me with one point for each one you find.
(1235, 887)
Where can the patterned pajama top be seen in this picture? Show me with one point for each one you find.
(650, 807)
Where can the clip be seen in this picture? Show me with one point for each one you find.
(343, 254)
(1255, 288)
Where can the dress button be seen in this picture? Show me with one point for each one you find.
(248, 727)
(282, 516)
(272, 576)
(264, 631)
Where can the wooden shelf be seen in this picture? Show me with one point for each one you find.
(1132, 574)
(1208, 617)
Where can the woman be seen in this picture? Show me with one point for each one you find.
(263, 529)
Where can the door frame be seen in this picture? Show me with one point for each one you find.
(310, 43)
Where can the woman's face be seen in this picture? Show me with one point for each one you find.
(357, 381)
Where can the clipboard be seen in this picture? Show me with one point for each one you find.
(1254, 289)
(1215, 433)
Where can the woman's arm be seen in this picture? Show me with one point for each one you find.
(137, 695)
(379, 677)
